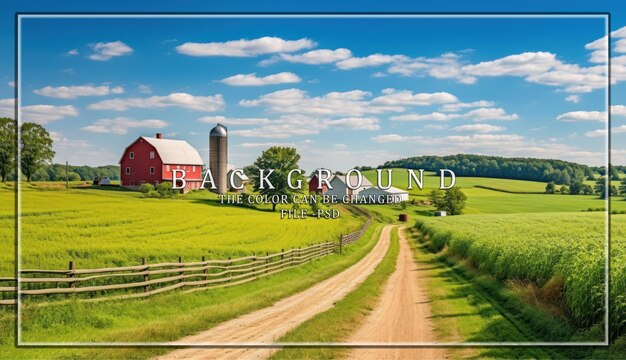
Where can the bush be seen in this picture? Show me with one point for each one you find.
(165, 189)
(146, 188)
(153, 194)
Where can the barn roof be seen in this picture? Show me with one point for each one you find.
(353, 179)
(175, 151)
(391, 190)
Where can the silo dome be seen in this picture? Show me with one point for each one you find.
(219, 130)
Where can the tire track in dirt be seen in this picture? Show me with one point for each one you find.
(402, 315)
(270, 323)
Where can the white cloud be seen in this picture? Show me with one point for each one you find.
(596, 133)
(482, 114)
(349, 103)
(266, 144)
(479, 128)
(72, 52)
(182, 100)
(368, 61)
(63, 142)
(389, 138)
(394, 97)
(356, 123)
(234, 121)
(454, 107)
(105, 51)
(314, 57)
(489, 114)
(120, 125)
(436, 116)
(7, 108)
(253, 80)
(574, 116)
(144, 89)
(618, 110)
(11, 83)
(525, 64)
(435, 126)
(573, 98)
(446, 66)
(73, 92)
(245, 48)
(43, 114)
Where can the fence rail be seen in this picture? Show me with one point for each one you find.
(150, 279)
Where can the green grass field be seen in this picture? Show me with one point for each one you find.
(547, 250)
(97, 227)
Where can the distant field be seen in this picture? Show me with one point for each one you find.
(98, 227)
(540, 248)
(489, 201)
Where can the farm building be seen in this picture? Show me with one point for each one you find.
(340, 189)
(151, 160)
(239, 179)
(314, 184)
(377, 195)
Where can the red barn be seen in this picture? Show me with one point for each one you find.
(151, 160)
(314, 183)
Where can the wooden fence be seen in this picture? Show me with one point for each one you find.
(149, 279)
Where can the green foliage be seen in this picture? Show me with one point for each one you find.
(165, 189)
(576, 187)
(8, 150)
(540, 247)
(146, 188)
(72, 176)
(36, 148)
(564, 189)
(282, 160)
(403, 205)
(436, 198)
(454, 201)
(587, 189)
(550, 187)
(622, 187)
(544, 170)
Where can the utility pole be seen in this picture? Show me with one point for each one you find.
(67, 176)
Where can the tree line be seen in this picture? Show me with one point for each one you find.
(37, 154)
(544, 170)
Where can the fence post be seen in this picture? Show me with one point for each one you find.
(340, 243)
(206, 270)
(146, 277)
(228, 267)
(267, 261)
(282, 256)
(72, 268)
(180, 264)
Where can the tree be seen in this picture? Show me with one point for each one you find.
(282, 160)
(436, 198)
(550, 187)
(622, 187)
(36, 147)
(564, 189)
(614, 174)
(602, 190)
(454, 201)
(8, 150)
(576, 187)
(587, 189)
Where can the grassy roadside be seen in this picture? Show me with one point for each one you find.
(164, 317)
(338, 323)
(469, 306)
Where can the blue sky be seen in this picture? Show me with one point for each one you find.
(344, 91)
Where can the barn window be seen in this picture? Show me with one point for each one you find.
(167, 168)
(151, 154)
(131, 155)
(178, 167)
(152, 170)
(128, 170)
(193, 168)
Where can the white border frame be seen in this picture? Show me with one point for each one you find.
(20, 343)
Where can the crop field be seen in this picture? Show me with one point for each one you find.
(547, 250)
(97, 227)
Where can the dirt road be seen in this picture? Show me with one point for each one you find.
(268, 324)
(402, 315)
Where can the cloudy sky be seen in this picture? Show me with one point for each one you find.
(345, 91)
